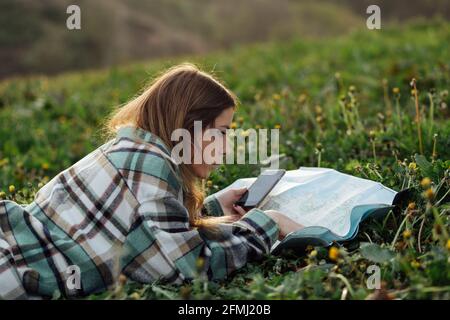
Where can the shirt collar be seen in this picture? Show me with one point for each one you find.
(132, 132)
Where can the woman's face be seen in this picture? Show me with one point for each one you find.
(221, 123)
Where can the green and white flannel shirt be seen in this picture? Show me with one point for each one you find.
(119, 210)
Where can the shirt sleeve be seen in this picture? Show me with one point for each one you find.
(212, 206)
(163, 246)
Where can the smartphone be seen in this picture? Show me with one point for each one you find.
(258, 191)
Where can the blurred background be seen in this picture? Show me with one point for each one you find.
(34, 37)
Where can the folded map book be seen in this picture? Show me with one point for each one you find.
(330, 204)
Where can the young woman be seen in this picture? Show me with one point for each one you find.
(128, 207)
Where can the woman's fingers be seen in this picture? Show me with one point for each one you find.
(239, 192)
(241, 211)
(233, 217)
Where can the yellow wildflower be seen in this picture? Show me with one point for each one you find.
(407, 234)
(135, 296)
(425, 183)
(429, 194)
(333, 253)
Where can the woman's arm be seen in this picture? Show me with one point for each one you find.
(163, 245)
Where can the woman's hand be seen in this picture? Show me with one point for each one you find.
(227, 200)
(285, 224)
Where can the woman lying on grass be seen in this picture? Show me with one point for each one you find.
(128, 207)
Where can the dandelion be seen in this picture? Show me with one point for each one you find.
(135, 296)
(415, 264)
(233, 125)
(319, 146)
(62, 119)
(333, 253)
(425, 183)
(411, 206)
(318, 109)
(277, 126)
(45, 166)
(185, 292)
(319, 149)
(448, 244)
(412, 166)
(209, 183)
(302, 98)
(396, 92)
(429, 194)
(313, 254)
(122, 279)
(2, 195)
(12, 189)
(200, 263)
(4, 161)
(407, 234)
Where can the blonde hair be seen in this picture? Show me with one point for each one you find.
(175, 99)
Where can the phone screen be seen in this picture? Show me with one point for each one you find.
(260, 188)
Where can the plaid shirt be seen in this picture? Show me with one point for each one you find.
(119, 209)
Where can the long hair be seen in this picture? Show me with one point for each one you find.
(175, 99)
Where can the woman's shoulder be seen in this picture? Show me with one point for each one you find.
(132, 154)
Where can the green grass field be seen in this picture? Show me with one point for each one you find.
(345, 103)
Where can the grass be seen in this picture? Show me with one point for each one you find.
(348, 103)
